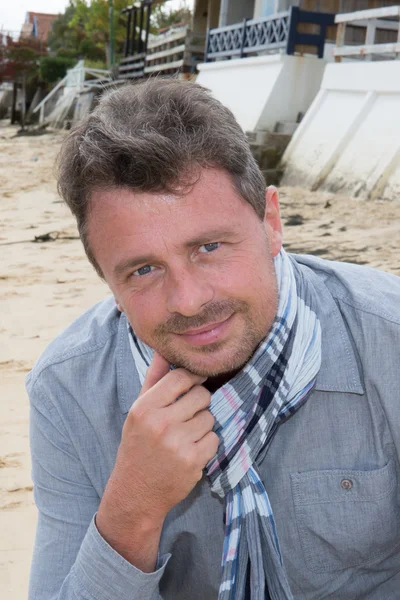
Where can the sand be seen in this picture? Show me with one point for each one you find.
(45, 285)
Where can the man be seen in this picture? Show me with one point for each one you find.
(231, 404)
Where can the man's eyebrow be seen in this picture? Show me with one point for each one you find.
(214, 235)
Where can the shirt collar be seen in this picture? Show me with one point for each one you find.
(339, 370)
(128, 382)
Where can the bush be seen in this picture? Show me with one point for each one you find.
(68, 53)
(53, 68)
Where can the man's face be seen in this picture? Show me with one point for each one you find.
(193, 273)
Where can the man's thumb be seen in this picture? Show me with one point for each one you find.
(159, 367)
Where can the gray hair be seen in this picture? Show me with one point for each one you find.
(154, 136)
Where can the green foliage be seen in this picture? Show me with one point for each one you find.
(83, 31)
(95, 64)
(94, 19)
(64, 37)
(53, 68)
(91, 50)
(68, 53)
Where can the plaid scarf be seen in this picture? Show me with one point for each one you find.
(248, 409)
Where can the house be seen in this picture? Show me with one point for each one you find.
(37, 25)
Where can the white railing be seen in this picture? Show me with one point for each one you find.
(372, 20)
(72, 84)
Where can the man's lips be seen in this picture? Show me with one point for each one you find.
(208, 327)
(207, 334)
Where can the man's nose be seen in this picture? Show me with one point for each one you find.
(188, 292)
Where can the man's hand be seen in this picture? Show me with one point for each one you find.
(167, 440)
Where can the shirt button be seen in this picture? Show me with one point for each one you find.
(346, 484)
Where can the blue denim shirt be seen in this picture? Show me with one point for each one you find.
(332, 471)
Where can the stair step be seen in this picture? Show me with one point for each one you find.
(286, 127)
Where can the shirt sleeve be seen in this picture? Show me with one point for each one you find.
(71, 560)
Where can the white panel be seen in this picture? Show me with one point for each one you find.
(242, 85)
(349, 140)
(369, 150)
(265, 89)
(317, 142)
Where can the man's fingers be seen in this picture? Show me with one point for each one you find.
(158, 368)
(207, 447)
(196, 400)
(165, 385)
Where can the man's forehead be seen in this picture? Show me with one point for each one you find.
(208, 198)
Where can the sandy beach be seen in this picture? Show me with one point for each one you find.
(47, 282)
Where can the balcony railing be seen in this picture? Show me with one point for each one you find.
(377, 19)
(254, 36)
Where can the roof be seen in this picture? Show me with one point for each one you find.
(38, 24)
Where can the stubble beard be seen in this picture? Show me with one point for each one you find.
(230, 355)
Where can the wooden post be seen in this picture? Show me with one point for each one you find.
(206, 59)
(128, 33)
(147, 25)
(14, 103)
(341, 32)
(292, 29)
(243, 38)
(370, 37)
(133, 43)
(23, 103)
(398, 39)
(140, 41)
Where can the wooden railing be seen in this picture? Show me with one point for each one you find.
(178, 50)
(276, 32)
(132, 67)
(372, 20)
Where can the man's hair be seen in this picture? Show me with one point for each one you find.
(154, 136)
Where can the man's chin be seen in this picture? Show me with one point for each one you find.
(212, 362)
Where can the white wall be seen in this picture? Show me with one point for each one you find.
(265, 89)
(349, 141)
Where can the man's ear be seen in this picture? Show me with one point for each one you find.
(118, 305)
(272, 219)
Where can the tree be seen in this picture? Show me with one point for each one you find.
(163, 16)
(83, 31)
(96, 25)
(20, 62)
(64, 38)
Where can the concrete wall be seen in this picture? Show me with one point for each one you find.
(213, 13)
(205, 14)
(349, 140)
(239, 10)
(265, 89)
(200, 16)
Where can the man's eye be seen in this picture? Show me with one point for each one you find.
(209, 247)
(143, 270)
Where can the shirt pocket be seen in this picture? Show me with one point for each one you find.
(346, 518)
